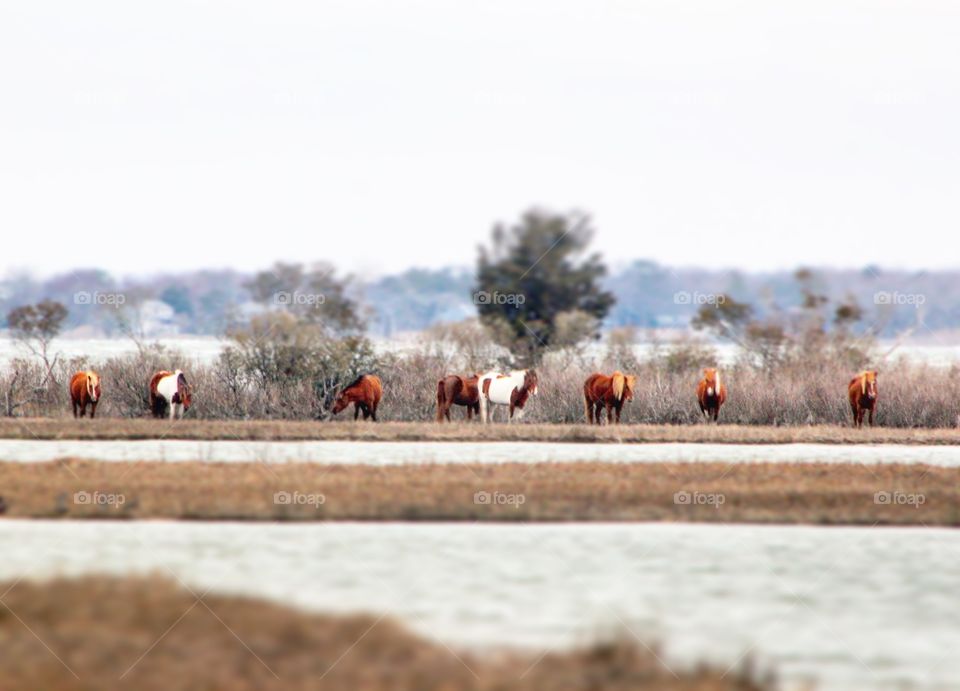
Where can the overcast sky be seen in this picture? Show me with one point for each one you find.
(145, 137)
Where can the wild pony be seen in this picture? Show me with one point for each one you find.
(511, 389)
(863, 396)
(454, 389)
(711, 393)
(169, 391)
(611, 392)
(365, 393)
(84, 389)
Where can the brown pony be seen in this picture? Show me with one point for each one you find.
(365, 393)
(711, 393)
(863, 396)
(454, 389)
(612, 392)
(169, 390)
(84, 389)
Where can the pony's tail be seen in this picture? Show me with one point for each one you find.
(619, 381)
(441, 399)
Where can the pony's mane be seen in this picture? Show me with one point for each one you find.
(355, 382)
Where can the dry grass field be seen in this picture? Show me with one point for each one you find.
(708, 492)
(150, 635)
(117, 428)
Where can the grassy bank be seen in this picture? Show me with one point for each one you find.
(113, 428)
(147, 634)
(708, 492)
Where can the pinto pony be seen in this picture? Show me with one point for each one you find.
(365, 393)
(601, 391)
(169, 391)
(711, 393)
(863, 396)
(511, 390)
(454, 389)
(84, 389)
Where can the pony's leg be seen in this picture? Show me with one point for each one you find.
(597, 411)
(609, 413)
(173, 410)
(484, 411)
(356, 411)
(373, 411)
(617, 409)
(871, 417)
(93, 410)
(74, 408)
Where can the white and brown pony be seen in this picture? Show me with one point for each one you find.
(169, 391)
(511, 390)
(84, 390)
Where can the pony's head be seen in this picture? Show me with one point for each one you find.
(712, 378)
(530, 381)
(340, 403)
(183, 389)
(93, 386)
(868, 384)
(629, 381)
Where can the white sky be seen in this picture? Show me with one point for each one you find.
(146, 137)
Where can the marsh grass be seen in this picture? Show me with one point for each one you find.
(151, 635)
(293, 430)
(811, 493)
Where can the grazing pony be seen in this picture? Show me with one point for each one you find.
(612, 392)
(365, 393)
(84, 389)
(711, 394)
(169, 391)
(506, 389)
(454, 389)
(863, 396)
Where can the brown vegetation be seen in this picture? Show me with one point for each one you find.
(150, 635)
(815, 493)
(291, 430)
(297, 381)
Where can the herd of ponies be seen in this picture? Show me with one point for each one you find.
(170, 394)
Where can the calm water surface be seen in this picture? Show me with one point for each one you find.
(852, 608)
(392, 453)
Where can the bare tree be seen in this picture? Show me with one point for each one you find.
(35, 327)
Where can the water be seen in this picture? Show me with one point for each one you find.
(396, 453)
(851, 608)
(206, 349)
